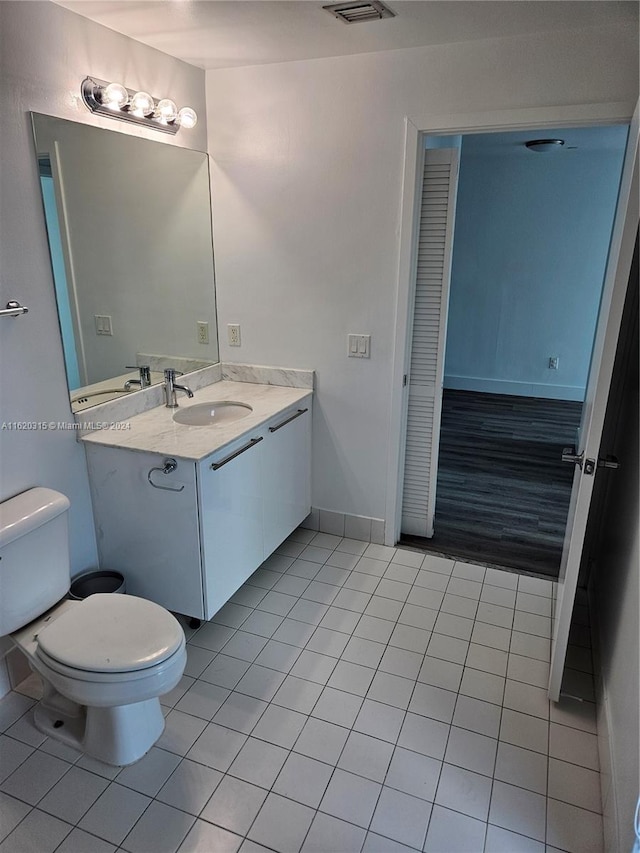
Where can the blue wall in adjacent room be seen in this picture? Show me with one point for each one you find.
(531, 241)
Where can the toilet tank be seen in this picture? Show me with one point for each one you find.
(34, 556)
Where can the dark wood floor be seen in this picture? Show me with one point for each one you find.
(503, 491)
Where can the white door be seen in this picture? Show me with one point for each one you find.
(600, 371)
(426, 375)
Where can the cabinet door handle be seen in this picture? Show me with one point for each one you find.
(215, 465)
(288, 420)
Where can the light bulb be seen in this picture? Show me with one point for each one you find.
(187, 117)
(114, 96)
(142, 104)
(166, 110)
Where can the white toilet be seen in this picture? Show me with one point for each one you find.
(104, 661)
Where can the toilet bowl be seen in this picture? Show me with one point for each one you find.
(104, 661)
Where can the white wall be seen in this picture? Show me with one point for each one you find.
(307, 176)
(45, 52)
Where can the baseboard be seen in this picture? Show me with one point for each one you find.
(342, 524)
(515, 389)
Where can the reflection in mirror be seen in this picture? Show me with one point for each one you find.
(129, 228)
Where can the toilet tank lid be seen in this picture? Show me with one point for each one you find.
(26, 512)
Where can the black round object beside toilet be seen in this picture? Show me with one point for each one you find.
(89, 583)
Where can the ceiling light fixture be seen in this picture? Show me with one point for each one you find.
(115, 101)
(544, 145)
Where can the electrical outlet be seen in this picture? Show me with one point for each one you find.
(233, 334)
(553, 362)
(203, 332)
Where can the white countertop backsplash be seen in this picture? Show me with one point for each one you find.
(155, 430)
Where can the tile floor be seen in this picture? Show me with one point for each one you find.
(350, 697)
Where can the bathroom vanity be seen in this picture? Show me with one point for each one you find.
(188, 513)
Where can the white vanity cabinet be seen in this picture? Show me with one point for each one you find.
(189, 539)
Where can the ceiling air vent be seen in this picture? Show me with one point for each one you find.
(356, 12)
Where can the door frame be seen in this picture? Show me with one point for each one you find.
(416, 129)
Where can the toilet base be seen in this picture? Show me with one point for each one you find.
(119, 735)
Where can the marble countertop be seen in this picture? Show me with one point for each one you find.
(155, 431)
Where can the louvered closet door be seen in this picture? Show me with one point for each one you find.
(435, 243)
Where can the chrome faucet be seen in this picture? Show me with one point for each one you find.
(171, 386)
(145, 377)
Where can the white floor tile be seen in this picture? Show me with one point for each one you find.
(297, 694)
(366, 756)
(234, 805)
(482, 685)
(34, 777)
(441, 673)
(79, 841)
(205, 836)
(574, 746)
(114, 813)
(217, 746)
(379, 720)
(400, 817)
(521, 767)
(424, 735)
(351, 798)
(504, 841)
(161, 828)
(575, 714)
(433, 702)
(37, 833)
(190, 786)
(336, 706)
(258, 762)
(453, 832)
(525, 731)
(526, 698)
(330, 833)
(303, 779)
(575, 785)
(74, 794)
(464, 791)
(413, 774)
(573, 829)
(321, 740)
(518, 810)
(471, 751)
(12, 811)
(477, 716)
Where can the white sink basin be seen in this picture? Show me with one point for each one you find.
(206, 414)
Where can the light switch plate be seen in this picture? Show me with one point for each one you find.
(359, 346)
(103, 324)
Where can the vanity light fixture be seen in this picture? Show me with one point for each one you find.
(116, 101)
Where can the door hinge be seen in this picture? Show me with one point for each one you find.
(404, 381)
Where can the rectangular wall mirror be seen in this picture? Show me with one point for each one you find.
(129, 228)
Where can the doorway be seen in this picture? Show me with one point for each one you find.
(530, 247)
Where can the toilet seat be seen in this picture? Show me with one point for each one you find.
(156, 672)
(106, 636)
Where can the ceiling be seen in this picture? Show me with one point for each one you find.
(228, 33)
